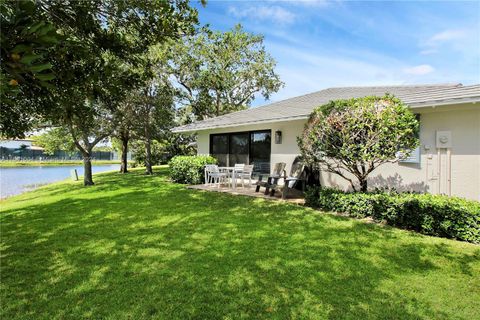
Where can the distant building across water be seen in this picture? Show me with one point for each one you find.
(23, 149)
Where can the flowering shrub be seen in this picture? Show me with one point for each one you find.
(353, 137)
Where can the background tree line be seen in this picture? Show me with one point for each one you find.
(126, 71)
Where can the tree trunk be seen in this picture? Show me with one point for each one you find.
(363, 184)
(87, 165)
(124, 165)
(148, 156)
(146, 134)
(312, 176)
(218, 105)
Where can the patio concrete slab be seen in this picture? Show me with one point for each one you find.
(294, 197)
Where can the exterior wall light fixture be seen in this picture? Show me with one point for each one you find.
(278, 137)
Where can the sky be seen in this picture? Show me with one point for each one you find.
(321, 44)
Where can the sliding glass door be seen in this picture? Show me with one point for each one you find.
(242, 147)
(238, 151)
(260, 145)
(219, 148)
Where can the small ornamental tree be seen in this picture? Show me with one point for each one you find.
(354, 137)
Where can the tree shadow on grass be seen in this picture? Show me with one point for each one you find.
(150, 249)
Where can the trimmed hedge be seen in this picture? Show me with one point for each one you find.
(189, 169)
(436, 215)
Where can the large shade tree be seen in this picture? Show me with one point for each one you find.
(154, 115)
(351, 138)
(88, 123)
(146, 113)
(123, 133)
(123, 32)
(221, 72)
(93, 64)
(56, 43)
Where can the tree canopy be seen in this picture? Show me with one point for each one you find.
(221, 72)
(78, 48)
(26, 68)
(353, 137)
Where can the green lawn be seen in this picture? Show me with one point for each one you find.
(139, 247)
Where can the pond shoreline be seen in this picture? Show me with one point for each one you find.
(20, 179)
(13, 164)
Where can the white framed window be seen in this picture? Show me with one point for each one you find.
(413, 158)
(415, 154)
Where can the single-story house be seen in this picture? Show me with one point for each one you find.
(447, 161)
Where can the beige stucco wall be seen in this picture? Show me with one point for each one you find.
(430, 175)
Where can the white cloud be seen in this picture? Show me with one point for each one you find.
(306, 70)
(454, 38)
(428, 51)
(419, 70)
(306, 3)
(276, 14)
(447, 35)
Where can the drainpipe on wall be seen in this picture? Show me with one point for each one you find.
(449, 172)
(439, 171)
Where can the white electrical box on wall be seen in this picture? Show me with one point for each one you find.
(444, 139)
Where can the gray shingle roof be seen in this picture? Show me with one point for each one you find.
(416, 96)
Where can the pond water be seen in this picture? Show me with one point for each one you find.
(16, 180)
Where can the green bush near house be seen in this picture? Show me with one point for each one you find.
(189, 169)
(436, 215)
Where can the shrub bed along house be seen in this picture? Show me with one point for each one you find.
(436, 215)
(189, 169)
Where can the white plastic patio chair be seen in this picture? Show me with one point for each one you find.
(246, 173)
(214, 175)
(208, 169)
(238, 167)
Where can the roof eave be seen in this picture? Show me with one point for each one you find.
(415, 105)
(238, 124)
(435, 103)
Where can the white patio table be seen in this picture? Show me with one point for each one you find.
(231, 171)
